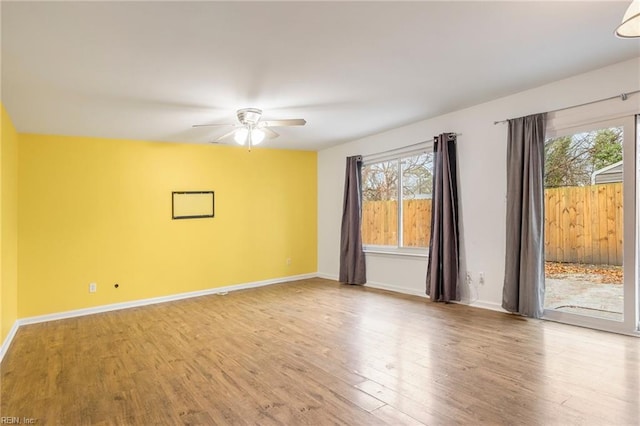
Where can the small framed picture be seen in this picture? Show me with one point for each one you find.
(192, 204)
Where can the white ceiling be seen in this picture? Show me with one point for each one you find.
(149, 70)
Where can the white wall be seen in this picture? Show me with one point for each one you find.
(482, 149)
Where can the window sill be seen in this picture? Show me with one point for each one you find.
(391, 252)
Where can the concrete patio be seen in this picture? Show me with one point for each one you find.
(584, 294)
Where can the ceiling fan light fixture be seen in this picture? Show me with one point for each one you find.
(240, 136)
(257, 136)
(630, 26)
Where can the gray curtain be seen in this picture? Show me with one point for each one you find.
(352, 262)
(523, 290)
(443, 263)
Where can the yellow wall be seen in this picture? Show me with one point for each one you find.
(8, 225)
(99, 210)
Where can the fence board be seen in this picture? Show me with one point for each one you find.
(587, 239)
(611, 223)
(552, 224)
(602, 224)
(579, 209)
(595, 225)
(572, 234)
(619, 224)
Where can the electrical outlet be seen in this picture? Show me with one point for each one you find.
(288, 261)
(469, 279)
(93, 287)
(481, 278)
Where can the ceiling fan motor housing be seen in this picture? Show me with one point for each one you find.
(249, 116)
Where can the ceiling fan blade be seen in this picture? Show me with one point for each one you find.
(212, 125)
(284, 123)
(270, 133)
(226, 135)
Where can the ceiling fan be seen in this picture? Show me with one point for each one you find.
(251, 130)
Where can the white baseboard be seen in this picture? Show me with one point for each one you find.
(154, 300)
(327, 276)
(7, 341)
(487, 305)
(477, 303)
(396, 289)
(378, 285)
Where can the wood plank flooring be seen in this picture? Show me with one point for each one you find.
(316, 352)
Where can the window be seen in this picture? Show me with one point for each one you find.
(395, 219)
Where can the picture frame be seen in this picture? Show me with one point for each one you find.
(192, 204)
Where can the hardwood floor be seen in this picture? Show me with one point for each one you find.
(316, 352)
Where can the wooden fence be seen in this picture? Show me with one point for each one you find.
(582, 224)
(380, 223)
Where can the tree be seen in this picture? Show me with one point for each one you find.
(571, 160)
(556, 159)
(417, 175)
(566, 162)
(607, 148)
(380, 180)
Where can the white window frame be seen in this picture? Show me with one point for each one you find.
(398, 155)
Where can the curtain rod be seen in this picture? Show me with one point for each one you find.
(623, 97)
(404, 147)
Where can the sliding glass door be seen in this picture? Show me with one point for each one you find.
(591, 222)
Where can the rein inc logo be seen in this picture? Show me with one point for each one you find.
(5, 420)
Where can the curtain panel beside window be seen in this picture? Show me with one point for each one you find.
(444, 259)
(523, 290)
(352, 260)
